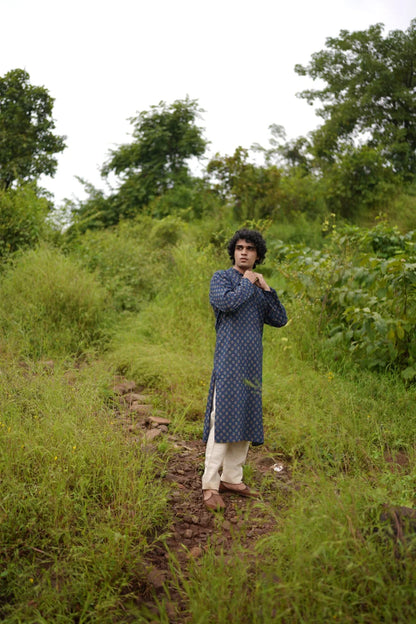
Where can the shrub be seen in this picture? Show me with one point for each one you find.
(132, 260)
(22, 219)
(49, 305)
(364, 284)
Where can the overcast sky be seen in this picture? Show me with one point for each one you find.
(103, 61)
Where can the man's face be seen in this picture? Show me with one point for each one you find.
(245, 255)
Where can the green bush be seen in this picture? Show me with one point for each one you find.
(22, 219)
(132, 260)
(364, 284)
(49, 305)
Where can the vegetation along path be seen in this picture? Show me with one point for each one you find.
(194, 529)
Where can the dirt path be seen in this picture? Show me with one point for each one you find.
(194, 528)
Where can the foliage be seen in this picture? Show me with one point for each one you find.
(291, 155)
(49, 305)
(27, 142)
(253, 191)
(93, 213)
(365, 284)
(164, 140)
(190, 202)
(368, 95)
(301, 194)
(358, 182)
(133, 261)
(79, 507)
(23, 217)
(174, 331)
(84, 510)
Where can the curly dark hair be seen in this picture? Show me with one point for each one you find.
(251, 236)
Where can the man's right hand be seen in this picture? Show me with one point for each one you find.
(251, 275)
(257, 279)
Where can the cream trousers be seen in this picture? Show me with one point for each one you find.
(230, 456)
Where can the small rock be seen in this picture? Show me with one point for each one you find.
(124, 387)
(163, 428)
(188, 533)
(151, 434)
(195, 552)
(140, 398)
(205, 521)
(226, 525)
(140, 408)
(159, 420)
(156, 577)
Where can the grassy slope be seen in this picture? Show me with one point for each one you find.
(77, 518)
(338, 428)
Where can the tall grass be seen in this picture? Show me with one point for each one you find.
(338, 430)
(171, 343)
(80, 506)
(331, 559)
(50, 306)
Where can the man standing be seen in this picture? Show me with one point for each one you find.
(242, 302)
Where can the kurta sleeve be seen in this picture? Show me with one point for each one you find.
(275, 311)
(225, 296)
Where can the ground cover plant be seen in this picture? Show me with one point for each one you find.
(85, 511)
(79, 508)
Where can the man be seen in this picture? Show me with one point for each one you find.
(242, 302)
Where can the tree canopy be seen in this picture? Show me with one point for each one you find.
(369, 95)
(27, 142)
(165, 138)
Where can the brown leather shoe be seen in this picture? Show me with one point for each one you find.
(245, 491)
(213, 501)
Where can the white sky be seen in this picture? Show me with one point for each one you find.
(104, 61)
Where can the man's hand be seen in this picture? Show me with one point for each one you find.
(257, 279)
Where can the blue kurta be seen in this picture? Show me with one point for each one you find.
(241, 309)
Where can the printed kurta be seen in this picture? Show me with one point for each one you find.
(241, 309)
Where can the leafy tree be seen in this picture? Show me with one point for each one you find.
(358, 181)
(289, 155)
(27, 143)
(165, 138)
(368, 97)
(254, 191)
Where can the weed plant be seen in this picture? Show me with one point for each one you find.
(171, 343)
(339, 428)
(50, 306)
(331, 558)
(133, 261)
(80, 506)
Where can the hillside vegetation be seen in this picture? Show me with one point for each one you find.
(106, 349)
(81, 510)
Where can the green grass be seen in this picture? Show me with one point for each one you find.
(50, 306)
(81, 507)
